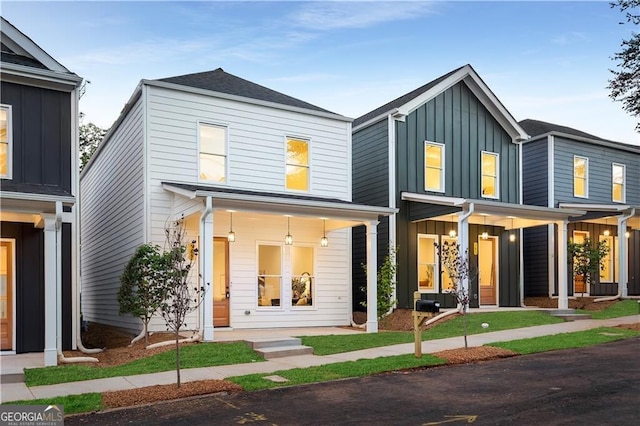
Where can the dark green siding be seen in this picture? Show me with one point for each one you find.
(634, 264)
(536, 265)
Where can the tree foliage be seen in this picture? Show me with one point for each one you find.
(625, 84)
(90, 137)
(386, 284)
(182, 296)
(142, 289)
(587, 258)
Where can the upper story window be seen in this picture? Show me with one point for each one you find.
(580, 176)
(433, 167)
(490, 169)
(617, 183)
(297, 178)
(6, 141)
(213, 152)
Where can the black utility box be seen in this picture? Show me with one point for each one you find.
(427, 306)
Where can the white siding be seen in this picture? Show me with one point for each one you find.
(112, 219)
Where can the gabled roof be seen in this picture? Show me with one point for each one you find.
(538, 129)
(220, 81)
(414, 99)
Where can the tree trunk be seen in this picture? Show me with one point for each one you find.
(178, 358)
(464, 314)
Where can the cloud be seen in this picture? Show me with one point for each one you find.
(335, 15)
(570, 38)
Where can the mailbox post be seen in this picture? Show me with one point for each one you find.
(422, 310)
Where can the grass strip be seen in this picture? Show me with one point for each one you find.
(623, 308)
(73, 404)
(191, 356)
(333, 344)
(577, 339)
(336, 371)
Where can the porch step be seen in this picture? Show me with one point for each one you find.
(279, 347)
(12, 378)
(569, 314)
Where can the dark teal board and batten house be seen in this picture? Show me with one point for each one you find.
(447, 155)
(568, 168)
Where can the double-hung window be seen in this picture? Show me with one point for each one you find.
(580, 176)
(618, 183)
(297, 175)
(490, 172)
(213, 152)
(428, 277)
(6, 142)
(433, 167)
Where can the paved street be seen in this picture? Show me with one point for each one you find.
(593, 386)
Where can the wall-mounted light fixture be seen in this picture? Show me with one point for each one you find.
(627, 234)
(452, 232)
(324, 241)
(231, 236)
(288, 239)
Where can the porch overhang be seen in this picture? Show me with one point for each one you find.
(494, 213)
(602, 213)
(338, 211)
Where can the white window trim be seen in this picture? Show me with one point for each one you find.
(436, 268)
(282, 275)
(309, 156)
(586, 176)
(497, 189)
(9, 110)
(226, 151)
(624, 182)
(443, 164)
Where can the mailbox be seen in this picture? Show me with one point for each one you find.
(427, 306)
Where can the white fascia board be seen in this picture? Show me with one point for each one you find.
(609, 144)
(30, 47)
(39, 77)
(597, 207)
(395, 113)
(433, 199)
(275, 105)
(524, 211)
(26, 196)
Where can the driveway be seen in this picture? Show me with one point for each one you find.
(599, 385)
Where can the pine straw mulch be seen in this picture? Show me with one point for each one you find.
(119, 352)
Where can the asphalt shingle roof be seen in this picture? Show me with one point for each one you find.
(220, 81)
(537, 127)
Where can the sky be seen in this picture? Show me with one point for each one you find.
(548, 61)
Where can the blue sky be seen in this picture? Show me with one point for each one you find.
(544, 60)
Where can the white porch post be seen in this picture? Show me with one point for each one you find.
(623, 266)
(372, 277)
(51, 267)
(463, 238)
(206, 260)
(563, 285)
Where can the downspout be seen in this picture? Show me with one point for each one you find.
(623, 219)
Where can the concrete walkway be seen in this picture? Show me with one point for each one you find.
(19, 391)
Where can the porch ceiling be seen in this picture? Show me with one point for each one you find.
(494, 213)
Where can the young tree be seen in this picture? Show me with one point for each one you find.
(625, 84)
(587, 258)
(386, 283)
(90, 137)
(142, 290)
(182, 296)
(458, 266)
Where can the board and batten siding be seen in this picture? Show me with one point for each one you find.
(112, 219)
(599, 172)
(457, 119)
(535, 176)
(256, 147)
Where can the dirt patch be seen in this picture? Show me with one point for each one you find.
(478, 353)
(635, 326)
(587, 303)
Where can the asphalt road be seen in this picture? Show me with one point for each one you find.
(599, 385)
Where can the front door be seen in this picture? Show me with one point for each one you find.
(487, 266)
(579, 286)
(221, 292)
(6, 295)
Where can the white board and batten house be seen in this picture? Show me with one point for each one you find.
(245, 166)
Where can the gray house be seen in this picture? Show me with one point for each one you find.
(447, 155)
(39, 181)
(568, 168)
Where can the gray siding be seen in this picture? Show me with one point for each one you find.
(41, 135)
(634, 264)
(600, 161)
(535, 177)
(371, 165)
(536, 265)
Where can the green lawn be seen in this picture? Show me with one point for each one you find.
(191, 356)
(622, 308)
(73, 404)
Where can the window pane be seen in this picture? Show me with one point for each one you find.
(297, 152)
(297, 178)
(302, 276)
(426, 264)
(269, 275)
(617, 177)
(617, 193)
(433, 180)
(434, 156)
(580, 167)
(488, 186)
(579, 187)
(212, 139)
(489, 164)
(212, 167)
(434, 168)
(3, 159)
(607, 267)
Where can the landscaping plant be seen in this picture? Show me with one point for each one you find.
(587, 259)
(386, 283)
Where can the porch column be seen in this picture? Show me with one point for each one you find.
(206, 262)
(51, 267)
(623, 265)
(372, 276)
(463, 238)
(563, 285)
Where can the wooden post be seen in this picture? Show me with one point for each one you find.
(418, 319)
